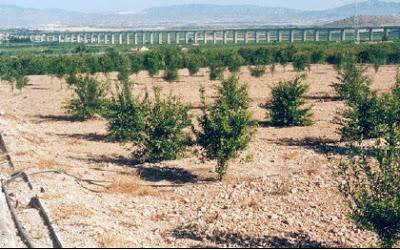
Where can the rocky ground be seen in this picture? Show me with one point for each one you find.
(280, 193)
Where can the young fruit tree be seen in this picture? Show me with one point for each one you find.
(372, 188)
(227, 125)
(90, 100)
(125, 115)
(287, 107)
(166, 135)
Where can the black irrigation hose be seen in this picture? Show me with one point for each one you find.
(22, 233)
(4, 149)
(37, 204)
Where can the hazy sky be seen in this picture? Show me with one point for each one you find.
(136, 5)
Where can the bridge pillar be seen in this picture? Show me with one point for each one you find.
(168, 38)
(105, 38)
(160, 38)
(98, 38)
(357, 35)
(291, 34)
(143, 38)
(268, 36)
(186, 37)
(215, 37)
(246, 37)
(112, 39)
(330, 33)
(205, 37)
(257, 35)
(343, 35)
(196, 37)
(316, 35)
(177, 37)
(371, 34)
(386, 34)
(304, 36)
(279, 36)
(59, 38)
(151, 38)
(85, 38)
(128, 38)
(135, 38)
(235, 37)
(225, 34)
(119, 38)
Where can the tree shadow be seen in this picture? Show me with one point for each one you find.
(265, 124)
(323, 98)
(88, 137)
(294, 240)
(56, 118)
(322, 146)
(150, 172)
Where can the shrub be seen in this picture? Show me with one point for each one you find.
(258, 70)
(72, 79)
(216, 72)
(90, 98)
(126, 116)
(226, 126)
(171, 75)
(353, 85)
(234, 62)
(154, 62)
(372, 188)
(193, 62)
(164, 137)
(317, 56)
(173, 61)
(301, 61)
(361, 119)
(21, 81)
(287, 106)
(364, 115)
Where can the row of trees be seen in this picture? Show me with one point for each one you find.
(170, 59)
(161, 129)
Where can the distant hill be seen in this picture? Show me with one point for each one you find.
(192, 15)
(367, 21)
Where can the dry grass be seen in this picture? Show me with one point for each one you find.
(131, 184)
(66, 211)
(75, 142)
(51, 196)
(112, 240)
(290, 156)
(283, 186)
(250, 203)
(32, 138)
(47, 164)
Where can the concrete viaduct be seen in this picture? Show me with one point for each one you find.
(231, 36)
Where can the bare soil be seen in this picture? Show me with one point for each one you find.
(280, 193)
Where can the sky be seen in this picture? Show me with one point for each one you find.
(137, 5)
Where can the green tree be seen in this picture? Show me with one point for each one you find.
(288, 105)
(301, 61)
(373, 188)
(154, 62)
(165, 137)
(90, 100)
(226, 126)
(126, 116)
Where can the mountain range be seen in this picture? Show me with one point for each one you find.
(191, 15)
